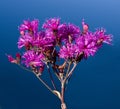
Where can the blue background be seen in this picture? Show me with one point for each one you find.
(96, 81)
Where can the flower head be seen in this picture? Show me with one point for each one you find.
(38, 40)
(25, 40)
(49, 38)
(102, 37)
(52, 24)
(44, 40)
(31, 26)
(68, 51)
(85, 27)
(68, 33)
(32, 58)
(87, 44)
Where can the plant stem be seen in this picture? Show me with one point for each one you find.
(24, 68)
(70, 73)
(44, 84)
(40, 79)
(69, 64)
(63, 105)
(63, 82)
(56, 73)
(52, 81)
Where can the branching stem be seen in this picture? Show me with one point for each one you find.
(40, 79)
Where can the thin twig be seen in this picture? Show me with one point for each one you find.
(69, 64)
(51, 78)
(38, 78)
(24, 68)
(56, 73)
(70, 73)
(44, 84)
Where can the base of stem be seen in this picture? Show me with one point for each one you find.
(63, 106)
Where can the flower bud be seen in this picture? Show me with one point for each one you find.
(11, 59)
(85, 27)
(22, 33)
(18, 57)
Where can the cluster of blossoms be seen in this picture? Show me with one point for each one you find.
(56, 40)
(56, 43)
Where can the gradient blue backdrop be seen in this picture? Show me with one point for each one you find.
(95, 83)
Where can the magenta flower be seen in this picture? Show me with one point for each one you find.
(87, 44)
(49, 38)
(25, 40)
(51, 24)
(68, 51)
(29, 26)
(38, 40)
(44, 40)
(32, 58)
(102, 37)
(68, 33)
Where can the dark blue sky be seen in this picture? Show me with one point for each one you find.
(96, 81)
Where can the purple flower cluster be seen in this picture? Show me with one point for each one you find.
(58, 47)
(58, 40)
(85, 42)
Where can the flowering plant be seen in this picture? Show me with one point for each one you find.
(58, 47)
